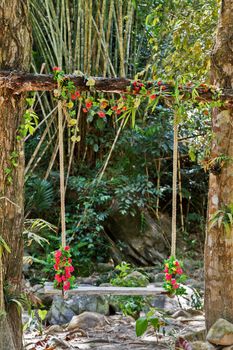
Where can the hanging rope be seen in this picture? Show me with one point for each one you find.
(62, 177)
(174, 184)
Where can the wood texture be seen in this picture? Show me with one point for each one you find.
(219, 245)
(107, 291)
(20, 82)
(15, 53)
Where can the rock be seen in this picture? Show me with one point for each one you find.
(54, 329)
(198, 335)
(135, 279)
(173, 304)
(142, 246)
(181, 313)
(200, 345)
(157, 277)
(91, 280)
(104, 267)
(228, 347)
(86, 320)
(221, 333)
(62, 310)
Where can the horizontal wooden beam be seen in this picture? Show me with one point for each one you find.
(107, 291)
(22, 82)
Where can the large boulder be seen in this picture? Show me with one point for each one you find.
(221, 333)
(62, 310)
(143, 241)
(87, 320)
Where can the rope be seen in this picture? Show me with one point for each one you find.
(62, 177)
(174, 185)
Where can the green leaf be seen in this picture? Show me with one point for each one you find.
(141, 326)
(154, 321)
(42, 314)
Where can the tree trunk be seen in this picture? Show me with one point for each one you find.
(219, 245)
(15, 53)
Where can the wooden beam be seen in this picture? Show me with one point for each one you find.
(22, 82)
(151, 290)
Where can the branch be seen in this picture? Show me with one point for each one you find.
(20, 82)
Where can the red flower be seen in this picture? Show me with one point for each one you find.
(159, 83)
(85, 110)
(88, 104)
(58, 278)
(75, 95)
(124, 108)
(177, 263)
(173, 281)
(63, 278)
(67, 247)
(101, 114)
(176, 286)
(166, 269)
(163, 87)
(66, 285)
(168, 277)
(56, 69)
(56, 267)
(57, 260)
(114, 108)
(71, 268)
(153, 97)
(69, 260)
(179, 271)
(58, 254)
(118, 111)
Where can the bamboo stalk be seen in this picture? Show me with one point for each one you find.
(180, 196)
(38, 148)
(111, 150)
(62, 174)
(73, 145)
(158, 186)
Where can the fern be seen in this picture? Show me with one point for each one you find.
(39, 195)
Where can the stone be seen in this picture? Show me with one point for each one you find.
(54, 329)
(221, 333)
(104, 267)
(181, 313)
(228, 347)
(135, 279)
(158, 277)
(199, 335)
(200, 345)
(62, 310)
(142, 246)
(87, 320)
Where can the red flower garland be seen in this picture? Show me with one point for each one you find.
(63, 267)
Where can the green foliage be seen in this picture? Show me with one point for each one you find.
(182, 40)
(153, 318)
(223, 218)
(129, 305)
(39, 196)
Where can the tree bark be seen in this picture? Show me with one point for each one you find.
(20, 82)
(15, 53)
(219, 246)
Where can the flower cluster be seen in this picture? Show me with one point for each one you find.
(173, 276)
(63, 267)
